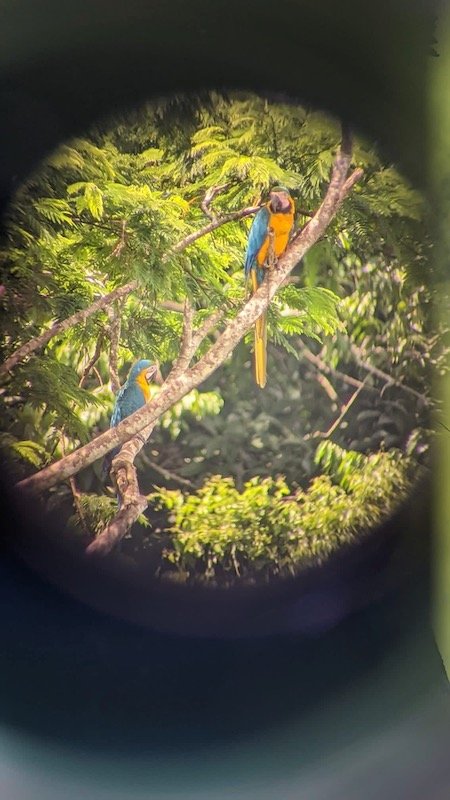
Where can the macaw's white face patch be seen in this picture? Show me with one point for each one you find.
(215, 238)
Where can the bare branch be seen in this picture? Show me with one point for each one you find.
(321, 365)
(181, 384)
(212, 226)
(191, 339)
(185, 354)
(327, 386)
(121, 244)
(344, 410)
(91, 363)
(114, 338)
(171, 476)
(205, 328)
(171, 305)
(379, 373)
(210, 194)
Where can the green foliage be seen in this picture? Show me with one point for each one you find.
(221, 533)
(109, 208)
(95, 512)
(195, 405)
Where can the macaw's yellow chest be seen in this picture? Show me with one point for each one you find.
(281, 225)
(142, 383)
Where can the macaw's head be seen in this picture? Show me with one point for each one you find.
(142, 370)
(280, 200)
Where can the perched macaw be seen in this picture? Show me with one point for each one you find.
(134, 394)
(267, 240)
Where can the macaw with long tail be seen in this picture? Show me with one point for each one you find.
(267, 240)
(134, 394)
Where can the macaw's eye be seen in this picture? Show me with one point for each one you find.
(290, 434)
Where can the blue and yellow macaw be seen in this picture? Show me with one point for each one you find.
(134, 394)
(267, 240)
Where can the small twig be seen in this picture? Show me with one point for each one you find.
(337, 422)
(182, 361)
(210, 194)
(122, 241)
(91, 363)
(99, 377)
(385, 377)
(114, 338)
(343, 413)
(328, 388)
(171, 476)
(324, 367)
(205, 328)
(74, 489)
(222, 220)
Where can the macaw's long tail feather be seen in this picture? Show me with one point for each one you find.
(261, 350)
(260, 340)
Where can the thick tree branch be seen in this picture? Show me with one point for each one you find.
(132, 503)
(179, 386)
(116, 530)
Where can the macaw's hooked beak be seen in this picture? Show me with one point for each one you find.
(150, 372)
(280, 202)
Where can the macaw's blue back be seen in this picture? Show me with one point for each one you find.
(134, 394)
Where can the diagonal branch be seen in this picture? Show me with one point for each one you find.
(389, 379)
(335, 425)
(323, 367)
(185, 354)
(91, 363)
(205, 328)
(38, 342)
(176, 388)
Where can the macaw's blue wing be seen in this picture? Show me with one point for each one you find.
(255, 276)
(256, 238)
(117, 415)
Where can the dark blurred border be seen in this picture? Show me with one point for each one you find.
(72, 675)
